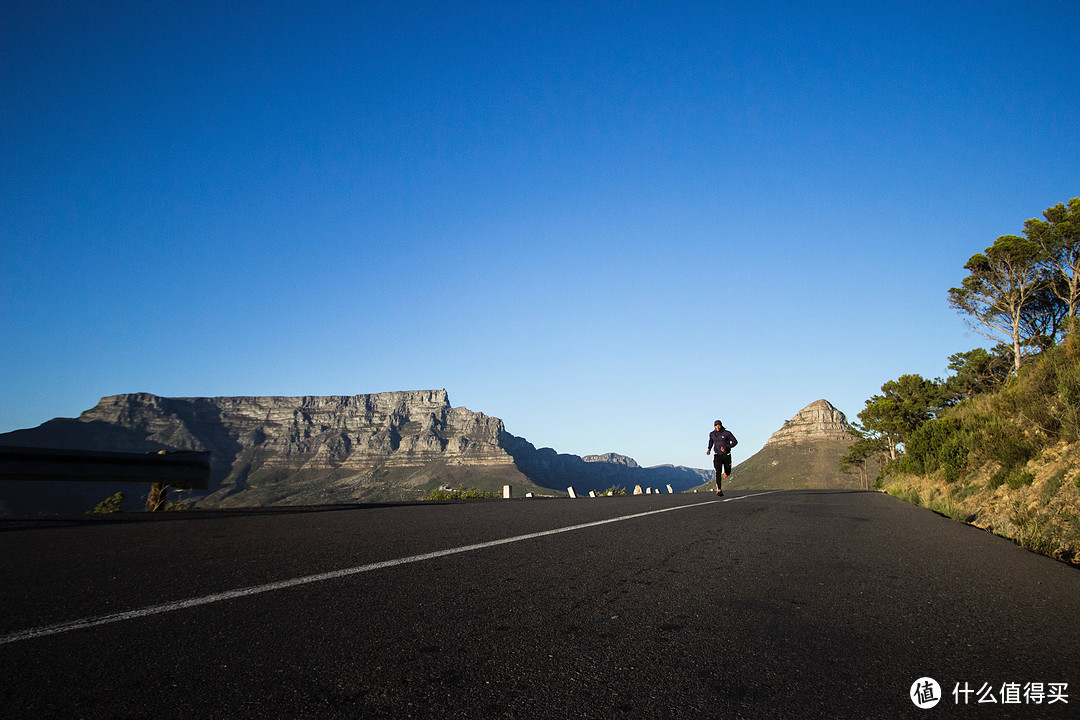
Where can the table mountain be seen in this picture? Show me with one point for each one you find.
(317, 450)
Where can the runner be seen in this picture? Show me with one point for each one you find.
(722, 441)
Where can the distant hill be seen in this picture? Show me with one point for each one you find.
(319, 450)
(804, 453)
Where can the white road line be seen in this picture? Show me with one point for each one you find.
(84, 623)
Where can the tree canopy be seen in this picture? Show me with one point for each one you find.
(902, 406)
(1024, 294)
(1000, 289)
(1059, 239)
(975, 372)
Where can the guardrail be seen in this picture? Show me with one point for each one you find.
(180, 469)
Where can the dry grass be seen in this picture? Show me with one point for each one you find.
(1043, 515)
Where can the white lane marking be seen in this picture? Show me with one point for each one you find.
(85, 623)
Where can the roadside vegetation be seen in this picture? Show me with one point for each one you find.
(460, 493)
(997, 443)
(114, 503)
(109, 505)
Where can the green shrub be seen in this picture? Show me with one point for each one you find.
(1051, 487)
(1068, 390)
(110, 504)
(996, 439)
(945, 443)
(1019, 478)
(966, 490)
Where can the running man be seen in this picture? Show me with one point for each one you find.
(722, 441)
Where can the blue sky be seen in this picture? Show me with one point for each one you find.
(607, 224)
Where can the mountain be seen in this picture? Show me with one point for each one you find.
(317, 450)
(611, 458)
(804, 453)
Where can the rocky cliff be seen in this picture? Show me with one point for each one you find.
(317, 450)
(817, 421)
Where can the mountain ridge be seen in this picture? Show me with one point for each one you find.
(269, 450)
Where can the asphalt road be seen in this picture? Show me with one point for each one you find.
(795, 604)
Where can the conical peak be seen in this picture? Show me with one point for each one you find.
(819, 420)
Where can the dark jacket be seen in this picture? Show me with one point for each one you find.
(722, 440)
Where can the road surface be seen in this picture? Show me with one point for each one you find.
(792, 604)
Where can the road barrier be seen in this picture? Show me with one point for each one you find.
(164, 469)
(508, 492)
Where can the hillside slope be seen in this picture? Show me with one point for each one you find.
(1006, 460)
(804, 453)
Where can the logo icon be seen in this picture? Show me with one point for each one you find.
(925, 693)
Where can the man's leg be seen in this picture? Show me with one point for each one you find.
(718, 465)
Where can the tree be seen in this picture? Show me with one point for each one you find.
(1001, 287)
(1043, 317)
(860, 453)
(904, 405)
(975, 372)
(1059, 239)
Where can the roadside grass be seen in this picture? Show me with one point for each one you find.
(460, 493)
(1036, 505)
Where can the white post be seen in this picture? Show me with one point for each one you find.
(571, 491)
(670, 491)
(637, 490)
(508, 492)
(592, 493)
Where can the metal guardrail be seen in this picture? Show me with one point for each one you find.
(188, 470)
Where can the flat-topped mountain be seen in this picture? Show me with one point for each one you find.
(318, 450)
(611, 457)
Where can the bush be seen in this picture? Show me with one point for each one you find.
(110, 504)
(1045, 396)
(1068, 390)
(939, 444)
(1019, 478)
(996, 439)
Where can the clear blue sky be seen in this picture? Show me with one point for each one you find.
(607, 224)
